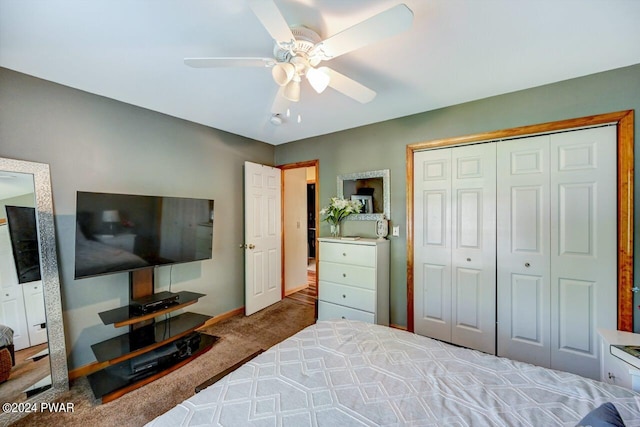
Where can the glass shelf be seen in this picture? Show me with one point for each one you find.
(113, 381)
(123, 316)
(147, 338)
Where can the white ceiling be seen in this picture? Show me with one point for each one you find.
(14, 184)
(456, 51)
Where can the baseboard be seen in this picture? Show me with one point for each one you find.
(221, 317)
(296, 289)
(403, 328)
(85, 370)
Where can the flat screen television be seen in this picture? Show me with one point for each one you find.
(126, 232)
(23, 232)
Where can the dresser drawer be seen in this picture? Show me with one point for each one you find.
(328, 311)
(354, 275)
(363, 255)
(362, 299)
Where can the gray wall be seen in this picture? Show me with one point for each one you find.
(96, 144)
(383, 145)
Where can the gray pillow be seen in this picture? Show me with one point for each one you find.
(605, 415)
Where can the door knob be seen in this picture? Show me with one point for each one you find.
(251, 246)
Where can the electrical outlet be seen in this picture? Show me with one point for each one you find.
(396, 231)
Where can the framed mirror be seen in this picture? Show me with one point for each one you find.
(33, 359)
(371, 189)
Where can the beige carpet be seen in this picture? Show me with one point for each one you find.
(240, 337)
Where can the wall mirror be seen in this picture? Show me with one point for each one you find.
(33, 359)
(371, 189)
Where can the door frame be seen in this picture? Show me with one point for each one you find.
(305, 164)
(624, 121)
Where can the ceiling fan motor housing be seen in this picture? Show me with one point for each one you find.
(305, 41)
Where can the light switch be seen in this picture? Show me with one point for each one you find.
(396, 230)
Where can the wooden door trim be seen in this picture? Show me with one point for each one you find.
(624, 121)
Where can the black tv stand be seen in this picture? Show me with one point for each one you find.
(153, 348)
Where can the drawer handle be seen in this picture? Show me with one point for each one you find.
(344, 274)
(344, 296)
(526, 264)
(344, 254)
(343, 317)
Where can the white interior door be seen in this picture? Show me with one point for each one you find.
(34, 307)
(557, 266)
(523, 250)
(454, 252)
(263, 244)
(583, 246)
(12, 311)
(432, 243)
(473, 244)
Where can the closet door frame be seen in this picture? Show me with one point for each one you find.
(624, 121)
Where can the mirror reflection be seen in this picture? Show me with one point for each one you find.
(371, 189)
(24, 362)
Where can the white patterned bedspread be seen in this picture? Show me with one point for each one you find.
(351, 373)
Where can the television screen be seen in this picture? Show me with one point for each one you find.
(24, 242)
(124, 232)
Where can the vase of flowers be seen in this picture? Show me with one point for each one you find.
(338, 210)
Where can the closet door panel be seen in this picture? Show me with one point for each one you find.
(473, 212)
(467, 300)
(584, 246)
(432, 244)
(523, 250)
(526, 309)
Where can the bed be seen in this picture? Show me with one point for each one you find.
(345, 372)
(93, 257)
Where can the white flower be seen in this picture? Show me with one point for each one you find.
(339, 209)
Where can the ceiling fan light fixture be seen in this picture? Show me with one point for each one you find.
(283, 73)
(275, 119)
(318, 78)
(292, 90)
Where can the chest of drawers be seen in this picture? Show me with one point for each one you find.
(353, 280)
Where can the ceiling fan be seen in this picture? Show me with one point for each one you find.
(299, 50)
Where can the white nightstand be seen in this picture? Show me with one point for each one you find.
(613, 369)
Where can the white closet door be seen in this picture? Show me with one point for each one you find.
(557, 266)
(432, 243)
(523, 250)
(12, 312)
(473, 243)
(583, 246)
(454, 245)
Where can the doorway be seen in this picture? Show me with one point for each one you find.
(299, 225)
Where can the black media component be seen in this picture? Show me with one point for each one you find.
(163, 357)
(154, 302)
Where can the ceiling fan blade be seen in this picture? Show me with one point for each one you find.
(273, 21)
(349, 87)
(383, 25)
(280, 103)
(229, 62)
